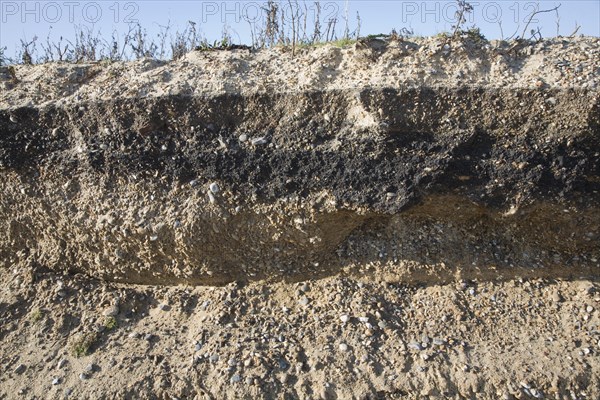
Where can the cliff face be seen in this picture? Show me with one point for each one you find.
(389, 220)
(193, 172)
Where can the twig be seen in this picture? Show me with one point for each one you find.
(533, 14)
(514, 33)
(577, 27)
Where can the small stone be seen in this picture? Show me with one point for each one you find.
(535, 393)
(56, 381)
(198, 346)
(20, 369)
(304, 301)
(556, 297)
(363, 319)
(439, 342)
(343, 347)
(259, 141)
(235, 378)
(213, 358)
(62, 363)
(415, 346)
(133, 335)
(344, 318)
(83, 376)
(249, 380)
(111, 311)
(232, 362)
(148, 337)
(89, 368)
(211, 198)
(586, 351)
(243, 138)
(214, 187)
(589, 309)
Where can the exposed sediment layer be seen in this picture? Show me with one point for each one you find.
(430, 202)
(466, 180)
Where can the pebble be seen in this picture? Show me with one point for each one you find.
(55, 381)
(259, 141)
(343, 347)
(111, 311)
(133, 335)
(214, 187)
(83, 376)
(148, 337)
(556, 297)
(363, 319)
(89, 368)
(62, 363)
(20, 369)
(243, 138)
(213, 358)
(535, 393)
(235, 378)
(344, 318)
(415, 346)
(586, 351)
(304, 301)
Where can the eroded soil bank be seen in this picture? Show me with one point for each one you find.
(121, 190)
(463, 183)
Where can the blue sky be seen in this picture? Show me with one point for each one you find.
(26, 19)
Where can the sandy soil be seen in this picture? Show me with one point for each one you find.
(341, 337)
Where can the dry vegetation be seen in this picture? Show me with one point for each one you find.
(288, 23)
